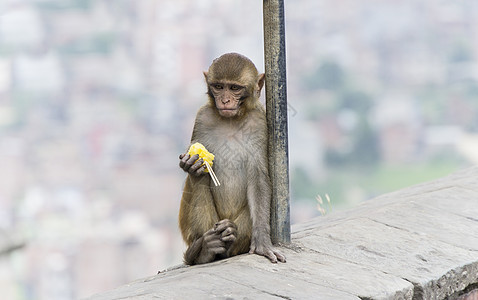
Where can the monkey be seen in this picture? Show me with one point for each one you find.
(233, 218)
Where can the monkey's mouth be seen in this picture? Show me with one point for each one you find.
(228, 112)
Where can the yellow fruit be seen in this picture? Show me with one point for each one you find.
(198, 148)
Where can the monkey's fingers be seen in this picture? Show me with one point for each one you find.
(274, 256)
(216, 246)
(186, 161)
(223, 224)
(200, 171)
(229, 234)
(271, 256)
(229, 238)
(229, 231)
(225, 228)
(214, 242)
(183, 158)
(192, 160)
(218, 250)
(280, 256)
(265, 252)
(194, 166)
(210, 234)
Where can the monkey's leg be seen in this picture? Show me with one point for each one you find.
(197, 216)
(243, 237)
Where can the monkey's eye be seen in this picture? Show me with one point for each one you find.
(218, 86)
(235, 87)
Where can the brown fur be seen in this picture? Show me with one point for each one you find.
(239, 144)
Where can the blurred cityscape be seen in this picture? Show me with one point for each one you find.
(98, 99)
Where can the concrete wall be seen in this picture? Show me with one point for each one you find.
(417, 243)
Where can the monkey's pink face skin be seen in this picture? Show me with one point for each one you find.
(228, 98)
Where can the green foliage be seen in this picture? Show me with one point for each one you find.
(364, 142)
(303, 185)
(372, 181)
(356, 100)
(434, 103)
(389, 178)
(366, 146)
(329, 76)
(364, 153)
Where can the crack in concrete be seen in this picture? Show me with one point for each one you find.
(252, 287)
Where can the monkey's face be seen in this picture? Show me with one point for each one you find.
(228, 97)
(234, 85)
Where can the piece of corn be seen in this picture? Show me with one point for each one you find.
(198, 148)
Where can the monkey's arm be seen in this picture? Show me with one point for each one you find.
(191, 164)
(259, 197)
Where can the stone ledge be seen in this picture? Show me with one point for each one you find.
(416, 243)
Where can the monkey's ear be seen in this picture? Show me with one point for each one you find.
(260, 81)
(205, 75)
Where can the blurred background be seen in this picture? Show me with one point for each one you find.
(98, 99)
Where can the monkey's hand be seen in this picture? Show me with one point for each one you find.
(214, 242)
(262, 245)
(192, 164)
(218, 240)
(227, 231)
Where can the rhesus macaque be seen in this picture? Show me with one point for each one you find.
(233, 218)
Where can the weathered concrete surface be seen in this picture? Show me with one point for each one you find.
(416, 243)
